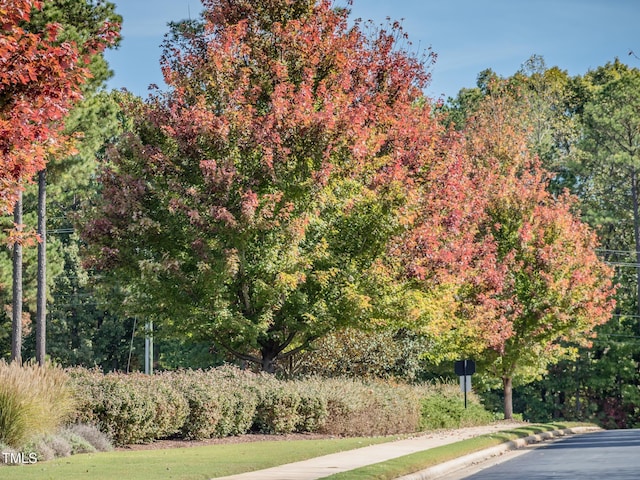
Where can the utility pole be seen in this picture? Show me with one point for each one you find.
(148, 348)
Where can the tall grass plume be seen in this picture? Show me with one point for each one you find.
(34, 400)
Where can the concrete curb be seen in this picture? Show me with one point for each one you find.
(482, 455)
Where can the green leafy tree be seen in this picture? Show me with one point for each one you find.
(608, 159)
(252, 204)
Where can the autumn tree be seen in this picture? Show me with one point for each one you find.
(543, 99)
(561, 128)
(554, 290)
(253, 202)
(39, 82)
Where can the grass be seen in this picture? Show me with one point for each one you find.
(192, 463)
(422, 460)
(199, 463)
(33, 400)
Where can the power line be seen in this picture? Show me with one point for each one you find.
(616, 251)
(623, 264)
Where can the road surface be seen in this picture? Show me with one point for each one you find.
(610, 455)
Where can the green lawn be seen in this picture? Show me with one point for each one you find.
(192, 463)
(199, 463)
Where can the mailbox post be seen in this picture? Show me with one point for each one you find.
(464, 369)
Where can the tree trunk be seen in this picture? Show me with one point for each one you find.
(508, 397)
(41, 300)
(268, 362)
(636, 233)
(16, 333)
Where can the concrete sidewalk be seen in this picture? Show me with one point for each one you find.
(341, 462)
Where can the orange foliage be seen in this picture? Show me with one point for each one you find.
(40, 79)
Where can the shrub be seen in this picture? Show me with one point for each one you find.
(278, 407)
(41, 448)
(243, 404)
(93, 435)
(374, 408)
(129, 408)
(4, 448)
(203, 404)
(221, 402)
(60, 445)
(71, 440)
(78, 444)
(34, 400)
(171, 408)
(240, 391)
(444, 408)
(313, 407)
(229, 401)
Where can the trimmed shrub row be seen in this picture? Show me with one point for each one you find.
(228, 401)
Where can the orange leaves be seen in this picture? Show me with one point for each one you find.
(521, 264)
(548, 284)
(278, 80)
(39, 82)
(13, 12)
(20, 236)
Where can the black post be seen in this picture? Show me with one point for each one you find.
(465, 392)
(464, 368)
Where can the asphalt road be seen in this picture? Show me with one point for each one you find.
(610, 455)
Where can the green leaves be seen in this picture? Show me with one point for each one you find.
(257, 198)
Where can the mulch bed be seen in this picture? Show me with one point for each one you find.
(251, 437)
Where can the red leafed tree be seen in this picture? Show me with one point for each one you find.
(553, 290)
(253, 203)
(449, 265)
(40, 80)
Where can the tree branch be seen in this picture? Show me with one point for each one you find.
(237, 354)
(299, 348)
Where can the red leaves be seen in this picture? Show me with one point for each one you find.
(39, 82)
(548, 283)
(277, 78)
(297, 148)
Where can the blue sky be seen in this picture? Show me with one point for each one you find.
(467, 35)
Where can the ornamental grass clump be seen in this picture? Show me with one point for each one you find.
(34, 401)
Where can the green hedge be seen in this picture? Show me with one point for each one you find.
(219, 405)
(196, 404)
(444, 408)
(131, 408)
